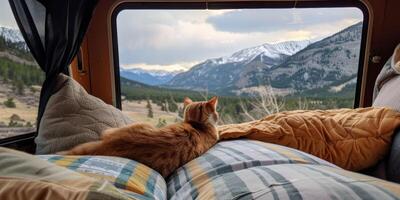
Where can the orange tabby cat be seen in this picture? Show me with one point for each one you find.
(163, 149)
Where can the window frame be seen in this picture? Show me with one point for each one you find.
(24, 141)
(215, 5)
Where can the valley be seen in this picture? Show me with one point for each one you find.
(292, 68)
(264, 79)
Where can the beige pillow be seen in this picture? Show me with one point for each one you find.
(73, 116)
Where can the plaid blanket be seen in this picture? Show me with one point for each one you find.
(236, 169)
(136, 180)
(246, 169)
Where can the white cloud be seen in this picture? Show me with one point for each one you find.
(6, 16)
(253, 20)
(168, 37)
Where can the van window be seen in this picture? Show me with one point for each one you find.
(258, 61)
(20, 79)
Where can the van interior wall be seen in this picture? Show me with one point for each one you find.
(98, 80)
(385, 36)
(83, 75)
(99, 77)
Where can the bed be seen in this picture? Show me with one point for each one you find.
(237, 169)
(232, 169)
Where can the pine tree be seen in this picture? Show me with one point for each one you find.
(150, 109)
(20, 87)
(172, 106)
(163, 108)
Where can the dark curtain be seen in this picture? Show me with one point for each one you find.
(53, 31)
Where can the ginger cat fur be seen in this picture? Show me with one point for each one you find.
(163, 149)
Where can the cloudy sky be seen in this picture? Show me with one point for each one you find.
(178, 39)
(6, 16)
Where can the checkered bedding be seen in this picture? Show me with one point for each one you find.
(246, 169)
(237, 169)
(136, 180)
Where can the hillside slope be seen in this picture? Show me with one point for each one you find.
(331, 61)
(17, 66)
(20, 78)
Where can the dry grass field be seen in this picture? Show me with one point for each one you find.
(24, 113)
(138, 111)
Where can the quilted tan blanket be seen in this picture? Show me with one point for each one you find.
(353, 139)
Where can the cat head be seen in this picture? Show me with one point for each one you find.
(201, 112)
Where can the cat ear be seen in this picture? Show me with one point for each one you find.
(187, 101)
(213, 102)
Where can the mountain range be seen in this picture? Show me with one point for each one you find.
(326, 66)
(227, 72)
(149, 77)
(269, 54)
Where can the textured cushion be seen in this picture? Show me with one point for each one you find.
(23, 176)
(73, 116)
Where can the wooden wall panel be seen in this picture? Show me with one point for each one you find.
(83, 77)
(100, 55)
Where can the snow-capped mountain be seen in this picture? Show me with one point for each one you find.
(11, 35)
(274, 51)
(271, 51)
(226, 71)
(149, 77)
(288, 66)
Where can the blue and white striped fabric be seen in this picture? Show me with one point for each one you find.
(247, 169)
(134, 179)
